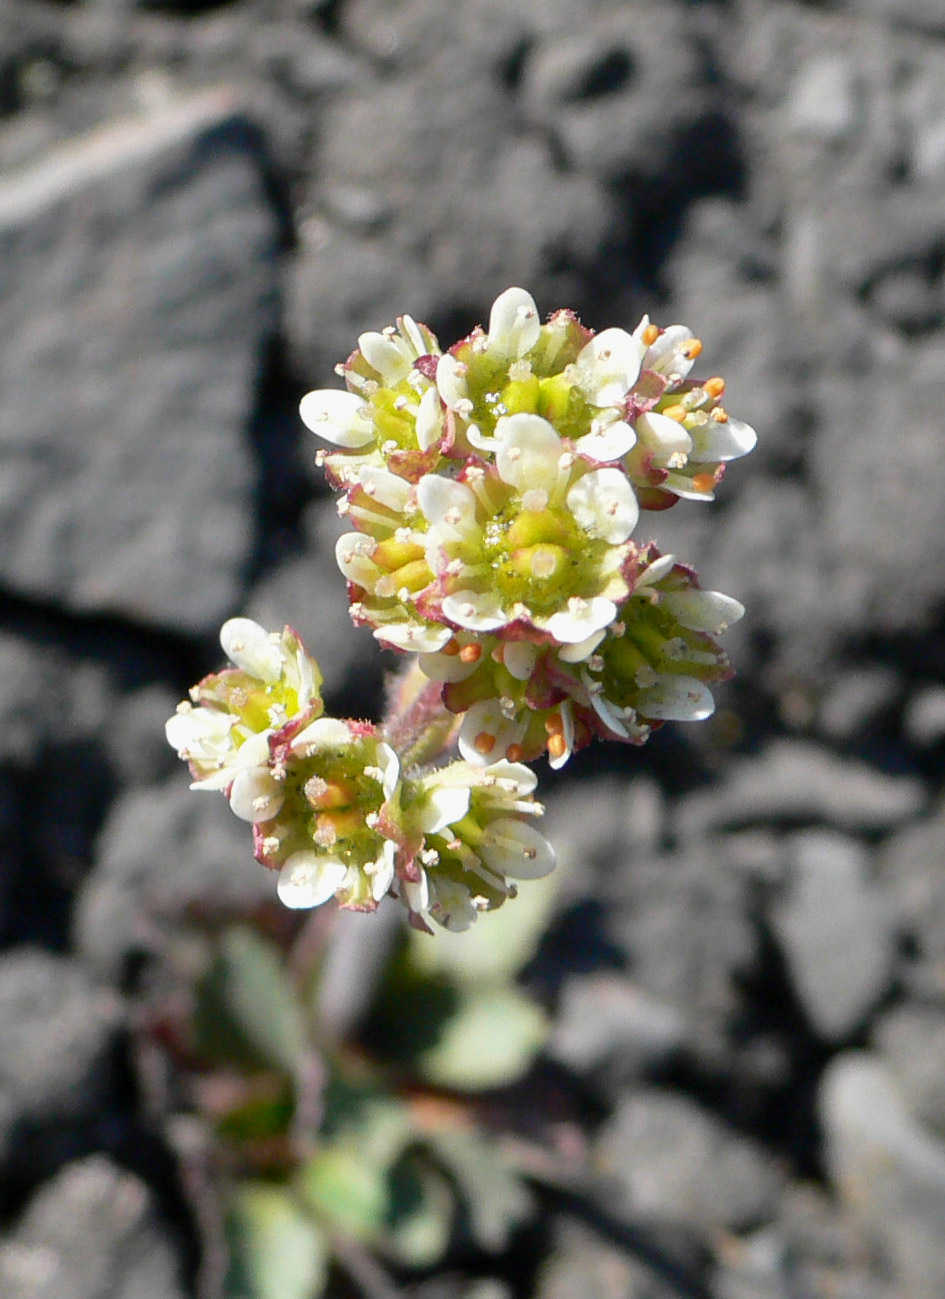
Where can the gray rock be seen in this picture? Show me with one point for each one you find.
(857, 701)
(606, 1022)
(58, 1032)
(836, 930)
(794, 781)
(126, 468)
(879, 523)
(887, 1168)
(584, 1263)
(925, 716)
(685, 926)
(91, 1232)
(910, 865)
(659, 1147)
(462, 207)
(618, 92)
(911, 1040)
(163, 848)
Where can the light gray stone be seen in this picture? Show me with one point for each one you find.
(887, 1168)
(90, 1233)
(57, 1032)
(658, 1147)
(162, 848)
(139, 286)
(797, 782)
(836, 930)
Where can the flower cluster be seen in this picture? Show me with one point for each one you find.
(494, 490)
(333, 810)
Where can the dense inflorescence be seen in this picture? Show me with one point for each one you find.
(493, 492)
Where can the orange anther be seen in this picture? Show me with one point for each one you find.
(470, 654)
(451, 647)
(515, 753)
(484, 742)
(692, 349)
(714, 386)
(703, 482)
(557, 746)
(554, 724)
(676, 412)
(650, 335)
(719, 415)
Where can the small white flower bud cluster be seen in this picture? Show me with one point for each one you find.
(494, 490)
(332, 809)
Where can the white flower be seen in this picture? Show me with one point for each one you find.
(580, 619)
(201, 735)
(528, 453)
(708, 611)
(252, 648)
(673, 353)
(608, 366)
(604, 504)
(308, 879)
(515, 849)
(338, 416)
(475, 610)
(606, 442)
(449, 506)
(514, 326)
(677, 699)
(487, 734)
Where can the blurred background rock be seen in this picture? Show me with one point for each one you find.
(201, 206)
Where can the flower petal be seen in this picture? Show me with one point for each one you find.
(677, 699)
(450, 506)
(486, 733)
(528, 453)
(429, 423)
(445, 805)
(604, 504)
(338, 416)
(382, 870)
(475, 610)
(709, 611)
(516, 849)
(514, 326)
(383, 355)
(520, 657)
(250, 647)
(446, 667)
(353, 551)
(389, 764)
(451, 383)
(667, 355)
(665, 437)
(325, 733)
(414, 637)
(255, 795)
(580, 619)
(608, 367)
(724, 441)
(308, 879)
(610, 443)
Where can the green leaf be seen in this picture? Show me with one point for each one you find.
(498, 945)
(276, 1250)
(491, 1041)
(496, 1199)
(420, 1219)
(347, 1190)
(247, 1011)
